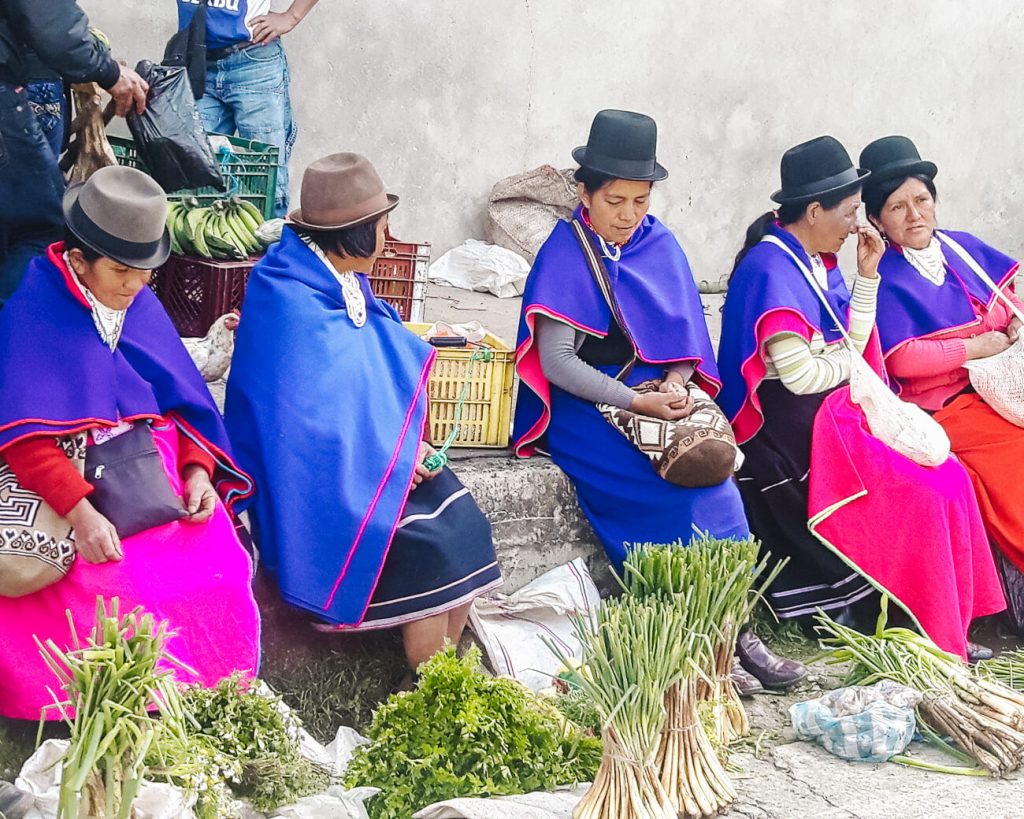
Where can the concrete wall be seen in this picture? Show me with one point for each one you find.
(448, 96)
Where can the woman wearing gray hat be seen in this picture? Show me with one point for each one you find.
(117, 468)
(947, 298)
(327, 408)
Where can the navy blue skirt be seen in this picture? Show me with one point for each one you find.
(441, 556)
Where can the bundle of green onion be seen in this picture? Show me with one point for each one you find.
(632, 655)
(1007, 668)
(716, 578)
(984, 718)
(121, 703)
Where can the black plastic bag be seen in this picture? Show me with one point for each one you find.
(187, 49)
(169, 136)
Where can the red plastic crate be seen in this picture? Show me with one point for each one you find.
(399, 277)
(196, 292)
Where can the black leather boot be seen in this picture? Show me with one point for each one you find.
(770, 669)
(14, 804)
(746, 683)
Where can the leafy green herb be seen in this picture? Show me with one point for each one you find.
(463, 733)
(240, 740)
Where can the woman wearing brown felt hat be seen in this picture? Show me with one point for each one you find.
(327, 404)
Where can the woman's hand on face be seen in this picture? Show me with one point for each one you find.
(1013, 331)
(669, 406)
(987, 344)
(200, 497)
(870, 247)
(96, 539)
(422, 473)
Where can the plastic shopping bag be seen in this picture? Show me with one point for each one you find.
(860, 723)
(169, 136)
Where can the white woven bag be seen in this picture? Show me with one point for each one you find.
(999, 379)
(898, 424)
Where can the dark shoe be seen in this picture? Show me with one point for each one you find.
(14, 804)
(976, 652)
(746, 684)
(772, 671)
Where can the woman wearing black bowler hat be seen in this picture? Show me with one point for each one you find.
(937, 310)
(612, 327)
(852, 515)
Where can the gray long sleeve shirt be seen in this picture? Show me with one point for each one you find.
(558, 346)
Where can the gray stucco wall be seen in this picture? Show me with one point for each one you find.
(448, 96)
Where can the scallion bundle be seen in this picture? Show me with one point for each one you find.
(984, 718)
(116, 691)
(716, 578)
(631, 655)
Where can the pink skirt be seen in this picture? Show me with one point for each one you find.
(914, 531)
(195, 576)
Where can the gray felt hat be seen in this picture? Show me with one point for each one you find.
(120, 213)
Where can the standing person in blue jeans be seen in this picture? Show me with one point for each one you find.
(247, 75)
(31, 184)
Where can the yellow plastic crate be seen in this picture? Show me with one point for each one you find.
(487, 412)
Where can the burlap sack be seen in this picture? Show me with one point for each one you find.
(523, 209)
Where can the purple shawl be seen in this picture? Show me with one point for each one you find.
(656, 295)
(910, 307)
(769, 295)
(58, 377)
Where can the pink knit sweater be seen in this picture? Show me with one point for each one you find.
(930, 370)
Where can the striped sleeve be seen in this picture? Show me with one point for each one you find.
(805, 371)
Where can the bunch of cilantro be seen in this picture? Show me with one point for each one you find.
(463, 733)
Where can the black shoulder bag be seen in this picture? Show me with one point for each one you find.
(187, 49)
(130, 487)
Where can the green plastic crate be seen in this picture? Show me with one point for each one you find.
(250, 171)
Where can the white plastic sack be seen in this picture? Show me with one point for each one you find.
(558, 805)
(476, 265)
(510, 626)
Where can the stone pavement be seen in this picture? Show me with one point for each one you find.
(803, 781)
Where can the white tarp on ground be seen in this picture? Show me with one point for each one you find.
(513, 627)
(40, 777)
(531, 806)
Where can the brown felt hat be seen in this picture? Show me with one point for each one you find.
(121, 213)
(341, 191)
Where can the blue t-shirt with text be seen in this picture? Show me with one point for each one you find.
(227, 21)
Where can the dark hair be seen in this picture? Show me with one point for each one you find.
(592, 180)
(875, 196)
(357, 242)
(72, 242)
(787, 214)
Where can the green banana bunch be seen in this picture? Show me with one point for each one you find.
(226, 229)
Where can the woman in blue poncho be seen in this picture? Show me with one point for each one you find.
(327, 405)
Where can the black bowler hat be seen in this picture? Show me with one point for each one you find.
(894, 156)
(622, 145)
(121, 213)
(815, 168)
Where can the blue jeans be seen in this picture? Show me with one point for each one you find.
(31, 189)
(247, 93)
(51, 109)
